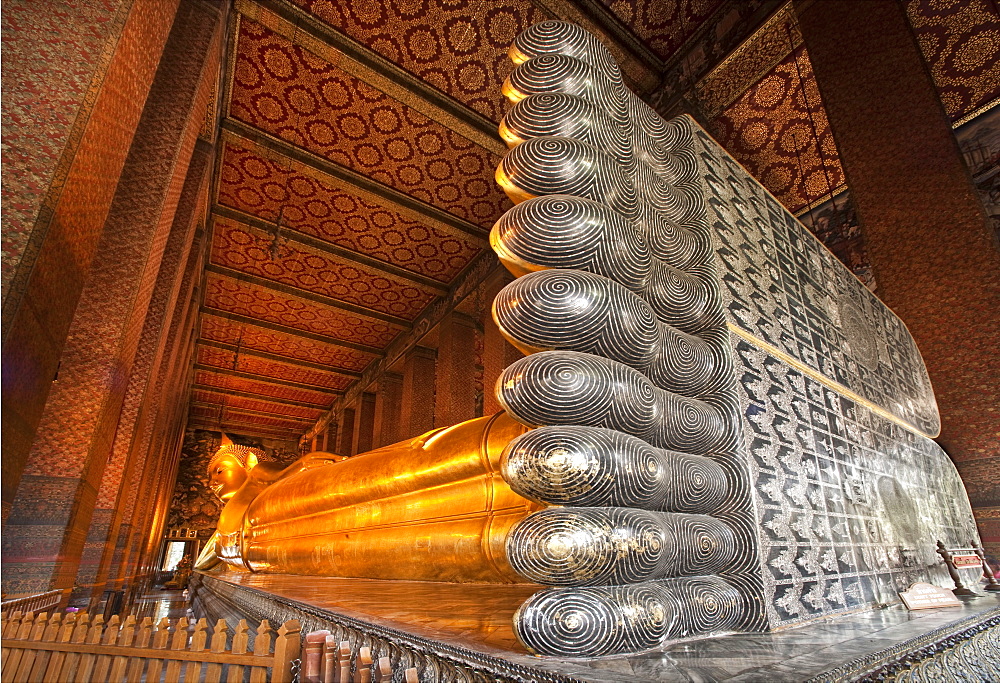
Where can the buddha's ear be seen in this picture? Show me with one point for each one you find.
(251, 461)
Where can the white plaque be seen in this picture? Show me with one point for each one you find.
(927, 596)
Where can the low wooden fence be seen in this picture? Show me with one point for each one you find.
(43, 602)
(40, 649)
(324, 660)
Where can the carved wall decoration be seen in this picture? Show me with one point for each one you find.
(734, 429)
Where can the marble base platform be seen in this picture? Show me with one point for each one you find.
(463, 632)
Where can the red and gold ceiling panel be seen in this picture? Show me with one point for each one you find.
(960, 40)
(458, 47)
(253, 365)
(261, 187)
(199, 395)
(663, 25)
(780, 133)
(294, 95)
(253, 251)
(242, 298)
(283, 344)
(228, 383)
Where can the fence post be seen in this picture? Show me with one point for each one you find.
(213, 672)
(286, 649)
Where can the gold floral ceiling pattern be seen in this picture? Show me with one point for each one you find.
(779, 131)
(960, 40)
(283, 90)
(459, 48)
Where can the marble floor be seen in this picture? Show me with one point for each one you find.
(478, 617)
(162, 603)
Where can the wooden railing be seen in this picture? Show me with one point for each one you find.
(42, 602)
(78, 649)
(324, 660)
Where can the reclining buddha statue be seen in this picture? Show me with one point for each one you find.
(716, 426)
(433, 508)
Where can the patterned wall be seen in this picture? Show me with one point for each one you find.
(759, 113)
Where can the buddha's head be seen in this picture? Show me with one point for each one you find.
(229, 467)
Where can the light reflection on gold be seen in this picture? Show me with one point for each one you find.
(434, 508)
(513, 192)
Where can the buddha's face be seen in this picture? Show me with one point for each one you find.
(226, 477)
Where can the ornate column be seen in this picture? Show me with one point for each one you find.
(455, 395)
(93, 87)
(346, 436)
(46, 531)
(931, 248)
(331, 437)
(388, 409)
(366, 423)
(172, 292)
(417, 414)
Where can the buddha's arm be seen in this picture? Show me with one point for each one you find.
(306, 462)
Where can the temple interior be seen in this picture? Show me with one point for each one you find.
(265, 226)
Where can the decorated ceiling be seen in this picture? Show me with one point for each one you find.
(356, 144)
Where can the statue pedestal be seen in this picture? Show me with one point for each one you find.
(457, 631)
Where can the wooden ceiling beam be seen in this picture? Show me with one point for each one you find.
(259, 397)
(216, 406)
(302, 239)
(321, 299)
(264, 379)
(361, 184)
(288, 360)
(272, 409)
(294, 331)
(246, 429)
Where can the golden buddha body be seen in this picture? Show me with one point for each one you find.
(434, 508)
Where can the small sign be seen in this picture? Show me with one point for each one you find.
(962, 561)
(926, 596)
